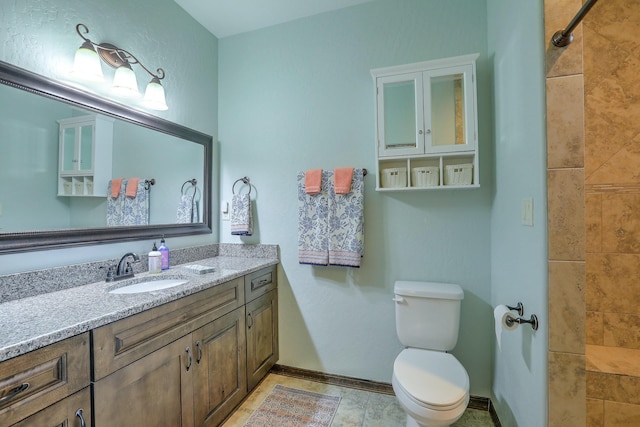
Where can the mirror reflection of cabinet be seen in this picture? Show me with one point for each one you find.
(426, 125)
(86, 146)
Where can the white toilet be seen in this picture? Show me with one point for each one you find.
(431, 385)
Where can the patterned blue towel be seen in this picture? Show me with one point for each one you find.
(187, 210)
(346, 223)
(330, 225)
(241, 223)
(313, 222)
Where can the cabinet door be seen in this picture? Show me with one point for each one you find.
(73, 411)
(220, 374)
(156, 390)
(400, 115)
(68, 149)
(85, 148)
(262, 336)
(450, 109)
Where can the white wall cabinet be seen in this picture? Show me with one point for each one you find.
(426, 125)
(85, 148)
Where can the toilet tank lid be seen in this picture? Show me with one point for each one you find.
(429, 290)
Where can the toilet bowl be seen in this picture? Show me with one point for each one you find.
(431, 386)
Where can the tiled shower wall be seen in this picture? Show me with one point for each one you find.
(593, 141)
(566, 220)
(612, 172)
(612, 187)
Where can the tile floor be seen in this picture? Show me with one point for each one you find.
(357, 408)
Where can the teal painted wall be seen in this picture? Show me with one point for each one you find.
(519, 253)
(299, 96)
(40, 35)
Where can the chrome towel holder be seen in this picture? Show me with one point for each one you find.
(245, 180)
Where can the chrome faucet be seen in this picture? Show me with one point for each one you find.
(125, 269)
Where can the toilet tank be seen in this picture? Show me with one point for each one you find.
(428, 314)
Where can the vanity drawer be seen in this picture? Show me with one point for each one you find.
(35, 380)
(120, 343)
(259, 283)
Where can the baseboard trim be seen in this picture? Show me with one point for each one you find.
(475, 402)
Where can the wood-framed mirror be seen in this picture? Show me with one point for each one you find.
(35, 212)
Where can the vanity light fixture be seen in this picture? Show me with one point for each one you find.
(86, 65)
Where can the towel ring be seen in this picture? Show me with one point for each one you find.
(192, 181)
(245, 180)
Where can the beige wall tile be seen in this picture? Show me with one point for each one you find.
(621, 330)
(566, 214)
(595, 413)
(567, 306)
(565, 122)
(620, 168)
(602, 139)
(621, 223)
(621, 414)
(617, 20)
(616, 388)
(614, 98)
(567, 390)
(593, 220)
(612, 284)
(568, 60)
(601, 56)
(594, 327)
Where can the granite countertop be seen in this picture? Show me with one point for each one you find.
(36, 321)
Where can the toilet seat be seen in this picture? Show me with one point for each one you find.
(432, 379)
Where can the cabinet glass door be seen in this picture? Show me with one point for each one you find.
(400, 112)
(68, 157)
(450, 126)
(86, 148)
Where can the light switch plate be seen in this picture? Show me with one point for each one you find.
(527, 211)
(224, 210)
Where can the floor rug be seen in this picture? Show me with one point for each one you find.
(290, 407)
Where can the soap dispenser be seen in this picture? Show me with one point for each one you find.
(155, 260)
(164, 254)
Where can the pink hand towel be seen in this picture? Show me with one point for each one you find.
(115, 187)
(132, 187)
(313, 181)
(342, 180)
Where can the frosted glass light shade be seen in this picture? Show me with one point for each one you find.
(124, 82)
(154, 96)
(86, 64)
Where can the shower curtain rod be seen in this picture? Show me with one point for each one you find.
(563, 37)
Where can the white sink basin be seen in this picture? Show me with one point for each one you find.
(148, 286)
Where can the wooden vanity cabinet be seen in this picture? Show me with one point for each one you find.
(154, 391)
(261, 324)
(220, 371)
(145, 365)
(36, 380)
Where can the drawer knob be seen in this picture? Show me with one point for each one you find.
(13, 393)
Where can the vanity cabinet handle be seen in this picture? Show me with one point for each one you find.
(13, 393)
(199, 347)
(250, 323)
(79, 415)
(189, 358)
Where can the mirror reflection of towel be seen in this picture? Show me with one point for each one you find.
(187, 210)
(241, 223)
